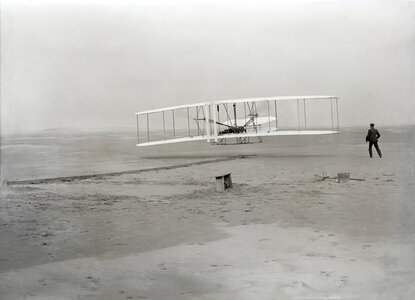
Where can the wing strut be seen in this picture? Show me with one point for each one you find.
(234, 113)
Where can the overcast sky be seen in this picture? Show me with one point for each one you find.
(94, 64)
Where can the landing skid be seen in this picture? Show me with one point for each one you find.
(238, 141)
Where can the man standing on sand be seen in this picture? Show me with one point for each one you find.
(372, 137)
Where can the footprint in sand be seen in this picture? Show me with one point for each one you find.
(312, 254)
(42, 282)
(296, 287)
(326, 274)
(92, 279)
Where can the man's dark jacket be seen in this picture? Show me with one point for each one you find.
(372, 135)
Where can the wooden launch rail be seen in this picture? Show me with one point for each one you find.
(103, 175)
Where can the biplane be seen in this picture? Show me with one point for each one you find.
(239, 120)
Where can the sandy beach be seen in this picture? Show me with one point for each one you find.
(281, 232)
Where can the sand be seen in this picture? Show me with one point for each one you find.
(280, 233)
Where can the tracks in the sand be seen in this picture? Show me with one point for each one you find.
(102, 175)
